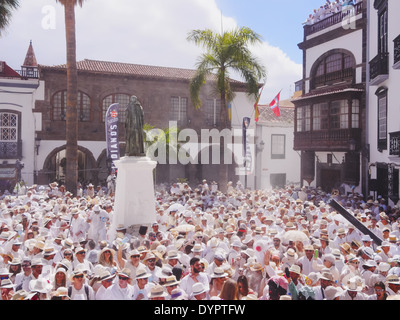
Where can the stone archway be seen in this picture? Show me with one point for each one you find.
(54, 166)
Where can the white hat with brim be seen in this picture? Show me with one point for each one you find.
(142, 274)
(352, 286)
(62, 292)
(6, 284)
(219, 273)
(40, 285)
(198, 288)
(157, 292)
(171, 281)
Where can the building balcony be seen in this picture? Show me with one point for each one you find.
(395, 143)
(396, 54)
(333, 19)
(327, 140)
(379, 69)
(345, 75)
(11, 150)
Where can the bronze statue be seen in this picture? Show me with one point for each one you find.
(134, 133)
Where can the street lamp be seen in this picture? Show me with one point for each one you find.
(37, 145)
(352, 144)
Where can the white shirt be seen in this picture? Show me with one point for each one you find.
(115, 292)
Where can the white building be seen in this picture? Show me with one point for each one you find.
(384, 98)
(330, 115)
(18, 122)
(274, 163)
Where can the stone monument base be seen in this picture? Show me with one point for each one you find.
(134, 204)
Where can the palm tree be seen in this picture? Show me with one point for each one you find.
(6, 8)
(71, 176)
(225, 53)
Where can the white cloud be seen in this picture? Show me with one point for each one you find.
(136, 31)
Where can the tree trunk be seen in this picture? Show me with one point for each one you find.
(224, 168)
(71, 175)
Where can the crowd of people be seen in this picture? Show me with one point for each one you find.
(329, 9)
(280, 244)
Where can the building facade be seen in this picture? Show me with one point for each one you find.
(384, 99)
(330, 114)
(163, 93)
(19, 146)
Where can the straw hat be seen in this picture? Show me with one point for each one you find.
(6, 283)
(219, 273)
(171, 281)
(198, 288)
(62, 292)
(295, 268)
(141, 273)
(157, 292)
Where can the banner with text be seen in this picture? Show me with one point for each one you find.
(112, 139)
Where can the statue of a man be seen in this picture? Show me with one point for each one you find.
(134, 133)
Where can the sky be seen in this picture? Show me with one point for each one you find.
(154, 32)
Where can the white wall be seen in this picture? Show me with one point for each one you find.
(20, 95)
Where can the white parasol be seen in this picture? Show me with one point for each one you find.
(176, 207)
(295, 235)
(185, 228)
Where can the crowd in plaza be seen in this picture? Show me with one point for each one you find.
(330, 8)
(280, 244)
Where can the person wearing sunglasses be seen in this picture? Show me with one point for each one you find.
(106, 279)
(79, 290)
(121, 289)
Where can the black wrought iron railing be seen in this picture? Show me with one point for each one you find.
(395, 143)
(10, 150)
(396, 53)
(379, 65)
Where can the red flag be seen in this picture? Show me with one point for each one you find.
(257, 111)
(274, 105)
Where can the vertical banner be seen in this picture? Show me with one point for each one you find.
(112, 140)
(246, 146)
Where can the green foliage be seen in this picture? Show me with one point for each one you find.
(225, 53)
(6, 10)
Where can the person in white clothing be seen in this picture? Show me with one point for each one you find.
(121, 289)
(106, 280)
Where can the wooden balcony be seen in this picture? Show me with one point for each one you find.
(396, 54)
(379, 68)
(332, 20)
(11, 150)
(327, 140)
(395, 143)
(345, 75)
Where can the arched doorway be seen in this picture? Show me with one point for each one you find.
(55, 165)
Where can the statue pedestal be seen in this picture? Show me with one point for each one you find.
(134, 204)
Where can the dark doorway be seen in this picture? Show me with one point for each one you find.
(330, 179)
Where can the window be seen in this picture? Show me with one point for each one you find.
(355, 114)
(333, 68)
(122, 99)
(383, 31)
(178, 110)
(212, 111)
(60, 106)
(339, 115)
(9, 135)
(278, 146)
(278, 180)
(382, 118)
(321, 116)
(303, 115)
